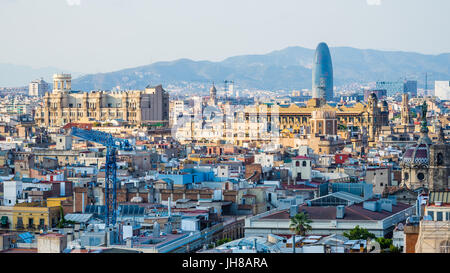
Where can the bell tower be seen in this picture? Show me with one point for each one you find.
(406, 119)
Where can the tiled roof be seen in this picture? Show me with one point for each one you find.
(353, 212)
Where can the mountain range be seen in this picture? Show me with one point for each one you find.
(288, 69)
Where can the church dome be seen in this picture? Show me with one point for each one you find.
(417, 154)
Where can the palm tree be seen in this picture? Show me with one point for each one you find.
(300, 223)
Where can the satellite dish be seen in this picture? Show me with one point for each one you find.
(373, 247)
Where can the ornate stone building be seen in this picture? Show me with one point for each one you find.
(269, 123)
(63, 105)
(427, 164)
(371, 116)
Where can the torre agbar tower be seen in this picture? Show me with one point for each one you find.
(322, 74)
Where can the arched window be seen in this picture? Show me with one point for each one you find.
(304, 164)
(297, 163)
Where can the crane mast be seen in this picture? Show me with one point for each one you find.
(112, 144)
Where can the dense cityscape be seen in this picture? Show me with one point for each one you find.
(224, 135)
(142, 171)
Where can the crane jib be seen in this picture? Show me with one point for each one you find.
(112, 144)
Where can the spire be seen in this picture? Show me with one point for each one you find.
(440, 134)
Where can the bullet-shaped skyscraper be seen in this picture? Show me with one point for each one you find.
(322, 74)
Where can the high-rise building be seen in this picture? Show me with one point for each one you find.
(37, 88)
(410, 87)
(322, 74)
(442, 89)
(392, 88)
(398, 87)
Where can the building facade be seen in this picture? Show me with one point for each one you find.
(64, 106)
(442, 89)
(391, 88)
(38, 88)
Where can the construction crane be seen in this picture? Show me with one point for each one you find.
(112, 144)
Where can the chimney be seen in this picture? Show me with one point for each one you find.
(156, 230)
(293, 210)
(170, 205)
(129, 242)
(340, 212)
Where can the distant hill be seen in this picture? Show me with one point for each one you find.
(287, 69)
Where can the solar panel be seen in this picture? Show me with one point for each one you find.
(27, 237)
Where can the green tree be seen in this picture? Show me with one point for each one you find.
(222, 241)
(394, 249)
(300, 224)
(62, 221)
(384, 243)
(358, 233)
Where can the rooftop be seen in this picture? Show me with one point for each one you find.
(354, 212)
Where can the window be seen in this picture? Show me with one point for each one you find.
(439, 216)
(420, 176)
(297, 163)
(431, 213)
(304, 164)
(440, 159)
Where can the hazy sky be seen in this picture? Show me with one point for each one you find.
(104, 35)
